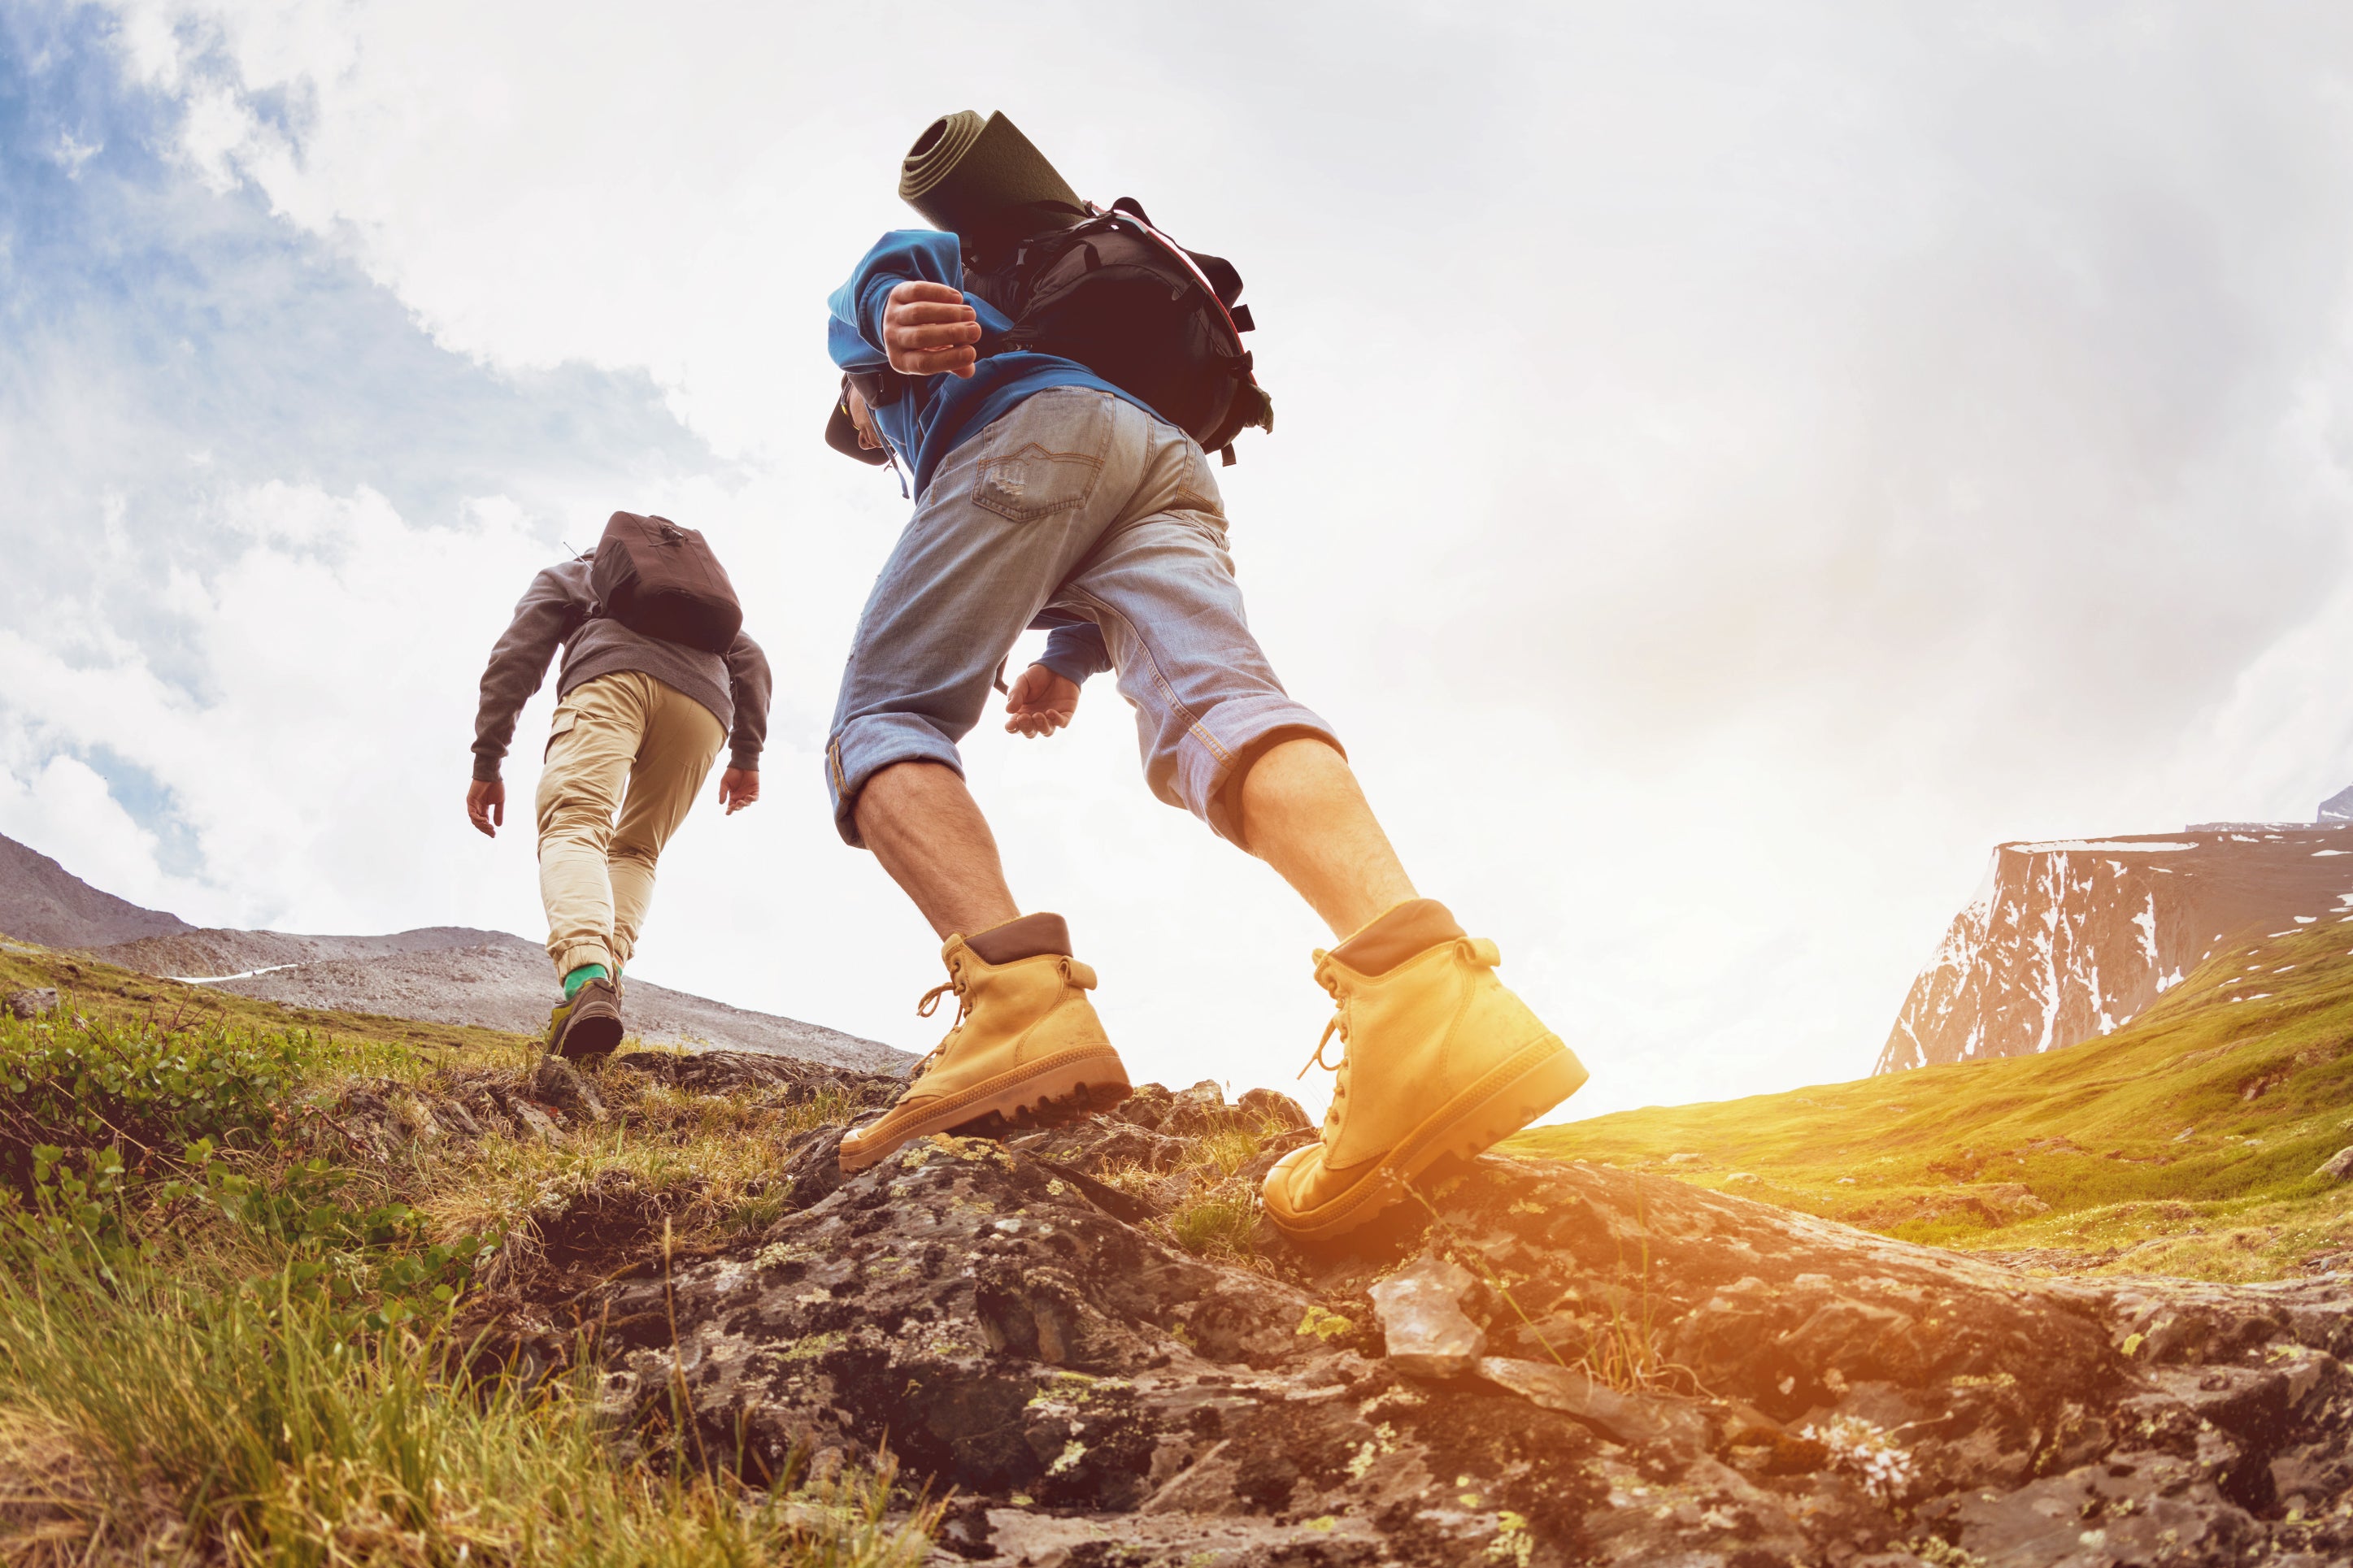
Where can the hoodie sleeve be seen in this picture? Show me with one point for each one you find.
(854, 333)
(750, 685)
(1075, 652)
(550, 612)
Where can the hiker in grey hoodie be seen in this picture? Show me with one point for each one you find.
(639, 722)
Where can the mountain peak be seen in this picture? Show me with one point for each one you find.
(2070, 939)
(42, 902)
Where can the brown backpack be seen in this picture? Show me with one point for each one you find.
(662, 580)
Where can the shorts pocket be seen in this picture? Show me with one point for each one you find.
(1033, 481)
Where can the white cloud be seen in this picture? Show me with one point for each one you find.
(1733, 468)
(325, 705)
(61, 805)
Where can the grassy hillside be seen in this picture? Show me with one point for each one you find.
(2184, 1142)
(233, 1314)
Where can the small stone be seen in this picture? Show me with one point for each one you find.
(529, 1118)
(459, 1119)
(1420, 1308)
(1685, 1159)
(1145, 1108)
(30, 1004)
(1631, 1418)
(560, 1084)
(1198, 1109)
(2339, 1167)
(1285, 1112)
(417, 1116)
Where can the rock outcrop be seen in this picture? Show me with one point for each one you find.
(2069, 939)
(1669, 1374)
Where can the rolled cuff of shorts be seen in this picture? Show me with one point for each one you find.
(1209, 781)
(864, 747)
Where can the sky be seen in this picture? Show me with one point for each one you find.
(1734, 465)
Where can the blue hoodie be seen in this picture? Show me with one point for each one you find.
(935, 414)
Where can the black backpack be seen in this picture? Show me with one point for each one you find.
(662, 580)
(1124, 300)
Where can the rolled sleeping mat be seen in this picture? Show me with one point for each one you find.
(982, 180)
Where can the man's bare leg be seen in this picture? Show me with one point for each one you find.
(1026, 1043)
(1440, 1058)
(1304, 815)
(927, 831)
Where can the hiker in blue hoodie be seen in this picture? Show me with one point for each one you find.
(1048, 493)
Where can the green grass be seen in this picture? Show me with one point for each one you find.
(225, 1334)
(1217, 1218)
(166, 1413)
(2184, 1142)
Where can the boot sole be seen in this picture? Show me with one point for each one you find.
(589, 1039)
(1532, 1081)
(1044, 1094)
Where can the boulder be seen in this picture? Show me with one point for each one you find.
(1671, 1374)
(2338, 1167)
(30, 1004)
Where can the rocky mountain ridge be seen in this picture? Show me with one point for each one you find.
(2068, 939)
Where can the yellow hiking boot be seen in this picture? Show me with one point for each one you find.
(1440, 1060)
(1026, 1042)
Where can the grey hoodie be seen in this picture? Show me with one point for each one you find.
(557, 610)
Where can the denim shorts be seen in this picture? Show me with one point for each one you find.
(1073, 503)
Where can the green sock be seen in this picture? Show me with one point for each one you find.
(581, 976)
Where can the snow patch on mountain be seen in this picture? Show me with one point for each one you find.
(2070, 939)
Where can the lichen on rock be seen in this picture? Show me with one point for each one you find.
(1667, 1373)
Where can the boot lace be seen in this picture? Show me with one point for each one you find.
(1338, 1025)
(930, 1005)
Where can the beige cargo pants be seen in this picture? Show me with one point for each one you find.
(626, 757)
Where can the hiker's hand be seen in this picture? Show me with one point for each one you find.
(927, 328)
(738, 787)
(862, 418)
(486, 805)
(1041, 703)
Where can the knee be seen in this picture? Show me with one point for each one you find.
(575, 821)
(1229, 813)
(865, 750)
